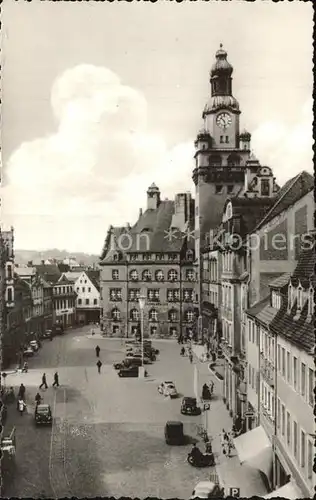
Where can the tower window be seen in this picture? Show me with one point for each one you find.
(265, 187)
(218, 189)
(227, 139)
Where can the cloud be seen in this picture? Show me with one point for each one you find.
(288, 150)
(97, 164)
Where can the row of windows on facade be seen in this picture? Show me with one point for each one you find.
(173, 295)
(227, 296)
(153, 315)
(173, 331)
(64, 303)
(171, 257)
(159, 275)
(294, 372)
(83, 289)
(60, 290)
(268, 408)
(87, 302)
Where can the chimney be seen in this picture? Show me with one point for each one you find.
(43, 262)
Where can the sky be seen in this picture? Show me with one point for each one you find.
(101, 99)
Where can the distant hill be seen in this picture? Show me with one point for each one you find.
(24, 256)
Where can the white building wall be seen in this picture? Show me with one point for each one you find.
(86, 291)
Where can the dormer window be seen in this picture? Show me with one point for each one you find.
(275, 300)
(290, 300)
(299, 297)
(310, 302)
(189, 255)
(265, 187)
(115, 256)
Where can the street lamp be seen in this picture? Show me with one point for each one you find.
(142, 301)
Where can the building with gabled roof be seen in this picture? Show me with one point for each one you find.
(154, 257)
(87, 288)
(281, 373)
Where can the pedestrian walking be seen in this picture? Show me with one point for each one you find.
(191, 358)
(97, 351)
(21, 393)
(21, 406)
(99, 364)
(44, 382)
(56, 380)
(38, 399)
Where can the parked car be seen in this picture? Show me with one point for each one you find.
(189, 406)
(174, 433)
(207, 489)
(34, 345)
(168, 389)
(48, 334)
(28, 351)
(43, 415)
(130, 371)
(122, 364)
(134, 357)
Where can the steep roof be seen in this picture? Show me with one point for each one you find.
(299, 331)
(263, 311)
(25, 271)
(250, 211)
(49, 272)
(292, 191)
(281, 281)
(94, 277)
(213, 206)
(72, 275)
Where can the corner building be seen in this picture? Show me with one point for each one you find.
(155, 258)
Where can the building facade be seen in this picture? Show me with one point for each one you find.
(87, 288)
(153, 258)
(64, 302)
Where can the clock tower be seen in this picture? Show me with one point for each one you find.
(221, 150)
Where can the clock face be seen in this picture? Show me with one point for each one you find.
(224, 120)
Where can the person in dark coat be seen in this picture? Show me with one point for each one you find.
(97, 351)
(56, 380)
(38, 399)
(44, 383)
(99, 364)
(191, 358)
(21, 393)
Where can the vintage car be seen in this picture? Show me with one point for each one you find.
(189, 406)
(174, 433)
(130, 371)
(168, 389)
(43, 415)
(28, 351)
(48, 334)
(133, 357)
(122, 364)
(207, 489)
(34, 345)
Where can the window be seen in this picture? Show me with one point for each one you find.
(172, 275)
(253, 379)
(279, 413)
(159, 275)
(288, 428)
(153, 315)
(172, 256)
(189, 255)
(9, 294)
(172, 315)
(279, 358)
(227, 139)
(303, 379)
(77, 289)
(85, 281)
(295, 372)
(83, 289)
(189, 316)
(87, 302)
(189, 274)
(95, 302)
(218, 189)
(295, 440)
(283, 420)
(310, 459)
(146, 275)
(188, 295)
(311, 398)
(265, 187)
(283, 362)
(173, 295)
(115, 294)
(153, 294)
(134, 315)
(173, 331)
(133, 275)
(133, 294)
(230, 188)
(116, 314)
(249, 375)
(288, 367)
(303, 441)
(79, 302)
(221, 139)
(9, 272)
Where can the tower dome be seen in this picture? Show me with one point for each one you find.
(221, 65)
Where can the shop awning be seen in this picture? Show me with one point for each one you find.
(254, 448)
(289, 490)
